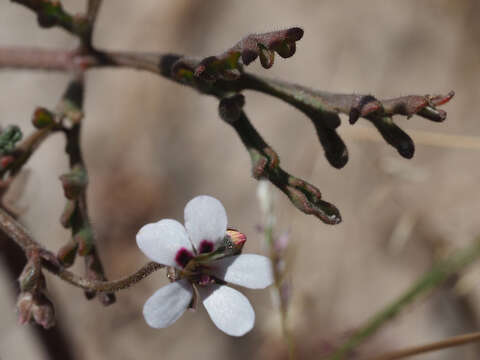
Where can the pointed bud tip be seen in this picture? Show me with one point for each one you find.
(295, 33)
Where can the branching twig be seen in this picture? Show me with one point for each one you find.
(75, 186)
(40, 59)
(323, 108)
(16, 232)
(320, 106)
(227, 66)
(265, 164)
(222, 76)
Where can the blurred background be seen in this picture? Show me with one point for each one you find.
(151, 145)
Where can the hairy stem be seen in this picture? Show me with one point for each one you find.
(106, 286)
(16, 232)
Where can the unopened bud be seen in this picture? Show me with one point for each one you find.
(67, 253)
(234, 241)
(24, 306)
(84, 239)
(43, 312)
(31, 277)
(67, 214)
(74, 182)
(42, 118)
(267, 56)
(230, 108)
(285, 48)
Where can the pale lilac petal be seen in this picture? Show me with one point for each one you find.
(167, 304)
(248, 270)
(206, 222)
(161, 241)
(229, 309)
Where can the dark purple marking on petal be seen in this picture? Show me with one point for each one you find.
(205, 247)
(183, 257)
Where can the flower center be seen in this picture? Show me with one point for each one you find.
(206, 246)
(183, 257)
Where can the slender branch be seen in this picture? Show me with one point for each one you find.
(57, 341)
(323, 108)
(265, 164)
(106, 286)
(17, 232)
(439, 345)
(93, 7)
(433, 278)
(75, 186)
(37, 58)
(26, 149)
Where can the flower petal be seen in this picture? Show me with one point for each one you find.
(167, 304)
(229, 309)
(249, 270)
(161, 241)
(206, 222)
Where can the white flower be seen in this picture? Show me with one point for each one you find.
(196, 251)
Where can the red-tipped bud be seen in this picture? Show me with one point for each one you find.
(234, 241)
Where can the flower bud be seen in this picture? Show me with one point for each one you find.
(74, 182)
(67, 253)
(42, 311)
(31, 277)
(42, 118)
(24, 305)
(267, 56)
(231, 107)
(67, 214)
(84, 239)
(234, 241)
